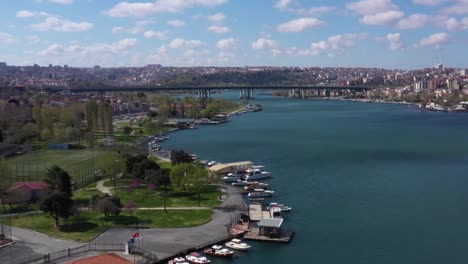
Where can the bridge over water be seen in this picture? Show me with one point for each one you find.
(245, 91)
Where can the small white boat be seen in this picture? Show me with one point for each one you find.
(237, 244)
(229, 179)
(219, 251)
(179, 260)
(257, 174)
(212, 163)
(283, 207)
(197, 258)
(240, 183)
(260, 193)
(236, 173)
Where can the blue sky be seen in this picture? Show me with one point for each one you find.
(404, 34)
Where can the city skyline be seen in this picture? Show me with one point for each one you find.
(366, 33)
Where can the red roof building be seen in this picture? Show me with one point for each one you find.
(109, 258)
(24, 192)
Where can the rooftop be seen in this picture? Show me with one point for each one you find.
(109, 258)
(271, 222)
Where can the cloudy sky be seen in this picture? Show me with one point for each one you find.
(403, 34)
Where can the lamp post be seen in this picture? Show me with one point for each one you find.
(115, 176)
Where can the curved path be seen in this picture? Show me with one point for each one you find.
(100, 187)
(165, 242)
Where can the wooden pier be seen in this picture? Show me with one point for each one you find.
(255, 212)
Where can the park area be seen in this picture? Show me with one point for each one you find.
(82, 165)
(87, 225)
(134, 201)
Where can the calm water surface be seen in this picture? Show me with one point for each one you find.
(369, 183)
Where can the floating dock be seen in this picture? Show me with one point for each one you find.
(286, 236)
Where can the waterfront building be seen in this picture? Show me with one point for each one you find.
(420, 86)
(452, 84)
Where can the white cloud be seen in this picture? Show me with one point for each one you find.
(32, 39)
(331, 46)
(176, 23)
(413, 21)
(185, 44)
(464, 23)
(383, 18)
(395, 41)
(116, 30)
(429, 2)
(62, 25)
(228, 44)
(218, 29)
(108, 54)
(126, 9)
(372, 7)
(300, 24)
(62, 2)
(7, 38)
(460, 7)
(263, 43)
(282, 4)
(218, 17)
(313, 11)
(448, 23)
(119, 47)
(155, 34)
(436, 40)
(30, 14)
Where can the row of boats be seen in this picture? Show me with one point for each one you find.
(216, 251)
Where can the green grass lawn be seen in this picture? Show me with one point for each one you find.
(88, 225)
(155, 198)
(82, 196)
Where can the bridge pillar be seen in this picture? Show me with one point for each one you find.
(203, 93)
(246, 94)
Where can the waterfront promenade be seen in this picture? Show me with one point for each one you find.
(166, 242)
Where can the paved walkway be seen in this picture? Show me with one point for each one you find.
(30, 245)
(100, 187)
(166, 242)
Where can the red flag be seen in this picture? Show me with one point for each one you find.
(136, 235)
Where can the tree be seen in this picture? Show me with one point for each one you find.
(127, 130)
(139, 170)
(59, 180)
(1, 135)
(198, 179)
(180, 156)
(58, 205)
(180, 174)
(105, 204)
(5, 182)
(163, 178)
(130, 207)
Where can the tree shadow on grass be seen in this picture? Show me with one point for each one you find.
(122, 220)
(78, 227)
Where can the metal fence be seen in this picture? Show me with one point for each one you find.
(76, 251)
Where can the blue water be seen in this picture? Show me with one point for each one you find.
(369, 183)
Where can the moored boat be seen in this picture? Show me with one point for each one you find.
(197, 258)
(240, 183)
(283, 207)
(257, 174)
(237, 244)
(179, 260)
(219, 251)
(260, 193)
